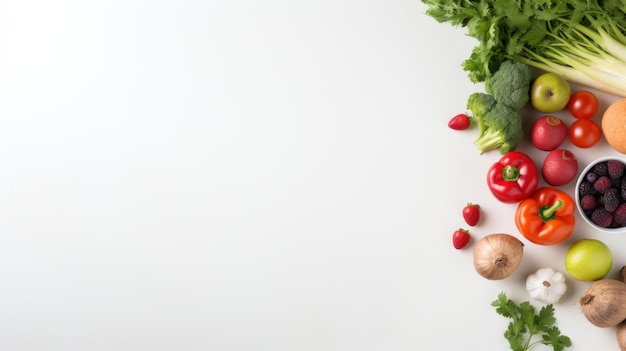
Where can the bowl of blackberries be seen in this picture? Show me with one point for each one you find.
(601, 194)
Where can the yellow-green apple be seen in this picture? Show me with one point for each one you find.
(588, 260)
(550, 93)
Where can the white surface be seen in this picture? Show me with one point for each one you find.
(245, 175)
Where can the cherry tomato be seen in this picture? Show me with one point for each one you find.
(583, 104)
(584, 133)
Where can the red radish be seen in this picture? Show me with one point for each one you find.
(548, 133)
(559, 167)
(459, 122)
(460, 238)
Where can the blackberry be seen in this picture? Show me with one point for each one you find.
(611, 200)
(623, 189)
(616, 183)
(614, 168)
(602, 184)
(588, 202)
(601, 217)
(586, 188)
(600, 169)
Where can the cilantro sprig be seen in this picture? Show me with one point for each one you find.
(527, 328)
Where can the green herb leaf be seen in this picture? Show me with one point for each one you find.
(527, 326)
(546, 316)
(545, 34)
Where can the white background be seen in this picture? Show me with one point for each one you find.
(247, 175)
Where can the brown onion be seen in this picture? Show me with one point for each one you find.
(604, 303)
(497, 256)
(620, 333)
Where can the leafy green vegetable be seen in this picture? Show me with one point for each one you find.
(497, 112)
(499, 126)
(525, 326)
(582, 40)
(510, 84)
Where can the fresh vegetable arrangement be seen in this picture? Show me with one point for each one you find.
(573, 41)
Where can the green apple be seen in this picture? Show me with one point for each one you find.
(588, 260)
(550, 93)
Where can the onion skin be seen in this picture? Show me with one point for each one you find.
(604, 303)
(620, 334)
(620, 331)
(497, 256)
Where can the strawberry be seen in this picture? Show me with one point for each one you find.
(459, 122)
(471, 214)
(460, 238)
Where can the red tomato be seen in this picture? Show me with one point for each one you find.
(583, 104)
(584, 133)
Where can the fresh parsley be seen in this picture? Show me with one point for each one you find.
(527, 326)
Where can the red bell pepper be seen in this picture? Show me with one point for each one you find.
(513, 178)
(547, 217)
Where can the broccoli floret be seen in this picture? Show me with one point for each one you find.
(497, 112)
(479, 104)
(510, 84)
(499, 126)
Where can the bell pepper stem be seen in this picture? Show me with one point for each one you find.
(510, 173)
(548, 213)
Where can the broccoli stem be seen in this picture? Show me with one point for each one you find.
(489, 140)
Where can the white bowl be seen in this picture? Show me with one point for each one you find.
(577, 197)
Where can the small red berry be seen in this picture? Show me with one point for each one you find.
(471, 214)
(459, 122)
(602, 184)
(460, 238)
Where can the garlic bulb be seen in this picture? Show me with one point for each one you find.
(546, 285)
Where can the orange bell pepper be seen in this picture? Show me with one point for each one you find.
(547, 216)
